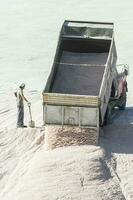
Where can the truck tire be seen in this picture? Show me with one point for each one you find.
(113, 91)
(123, 100)
(108, 116)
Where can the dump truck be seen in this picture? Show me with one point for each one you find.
(84, 85)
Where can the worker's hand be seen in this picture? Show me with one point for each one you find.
(28, 103)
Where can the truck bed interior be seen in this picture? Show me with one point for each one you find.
(80, 66)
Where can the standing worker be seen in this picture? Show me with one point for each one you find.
(20, 105)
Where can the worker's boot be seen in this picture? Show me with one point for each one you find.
(22, 126)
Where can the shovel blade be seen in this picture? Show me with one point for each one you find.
(31, 124)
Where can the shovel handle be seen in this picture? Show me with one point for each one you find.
(30, 112)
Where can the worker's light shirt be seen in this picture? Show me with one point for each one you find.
(19, 97)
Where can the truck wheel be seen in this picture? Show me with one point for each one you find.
(108, 116)
(123, 100)
(113, 91)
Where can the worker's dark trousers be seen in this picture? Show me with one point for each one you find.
(20, 118)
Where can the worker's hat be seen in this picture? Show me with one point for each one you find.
(22, 85)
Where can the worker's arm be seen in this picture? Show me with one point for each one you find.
(24, 98)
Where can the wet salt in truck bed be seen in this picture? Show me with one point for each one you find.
(78, 88)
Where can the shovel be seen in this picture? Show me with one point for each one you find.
(31, 122)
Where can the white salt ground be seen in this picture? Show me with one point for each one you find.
(64, 173)
(28, 36)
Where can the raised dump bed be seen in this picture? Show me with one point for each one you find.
(79, 73)
(79, 86)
